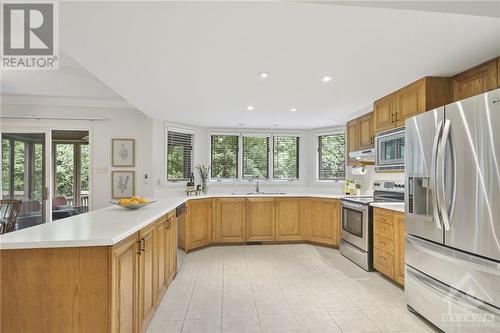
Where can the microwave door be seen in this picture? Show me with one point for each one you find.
(470, 179)
(422, 136)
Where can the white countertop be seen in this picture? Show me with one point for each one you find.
(108, 226)
(395, 206)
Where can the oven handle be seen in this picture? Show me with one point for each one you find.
(363, 208)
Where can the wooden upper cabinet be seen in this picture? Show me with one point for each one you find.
(230, 220)
(475, 81)
(420, 96)
(409, 102)
(290, 221)
(498, 72)
(261, 219)
(399, 248)
(199, 223)
(384, 113)
(352, 138)
(124, 285)
(365, 131)
(147, 275)
(324, 221)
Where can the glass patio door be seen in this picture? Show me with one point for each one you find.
(24, 175)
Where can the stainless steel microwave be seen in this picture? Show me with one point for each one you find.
(390, 150)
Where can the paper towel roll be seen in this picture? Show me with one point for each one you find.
(358, 170)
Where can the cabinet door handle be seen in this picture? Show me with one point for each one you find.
(392, 118)
(143, 245)
(139, 247)
(397, 116)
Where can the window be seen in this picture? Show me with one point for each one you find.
(179, 155)
(285, 157)
(224, 156)
(331, 157)
(255, 157)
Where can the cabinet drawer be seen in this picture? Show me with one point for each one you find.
(384, 229)
(384, 263)
(383, 243)
(383, 215)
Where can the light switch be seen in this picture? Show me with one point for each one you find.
(101, 169)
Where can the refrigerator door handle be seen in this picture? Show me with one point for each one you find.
(435, 147)
(441, 155)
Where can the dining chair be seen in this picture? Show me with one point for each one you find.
(9, 208)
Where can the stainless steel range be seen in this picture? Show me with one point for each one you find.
(357, 221)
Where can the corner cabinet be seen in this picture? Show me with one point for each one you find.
(290, 220)
(198, 223)
(230, 220)
(477, 80)
(422, 95)
(324, 221)
(388, 243)
(261, 219)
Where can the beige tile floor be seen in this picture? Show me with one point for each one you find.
(280, 288)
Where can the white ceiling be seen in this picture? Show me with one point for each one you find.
(70, 81)
(197, 62)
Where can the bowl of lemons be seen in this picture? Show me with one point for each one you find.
(133, 203)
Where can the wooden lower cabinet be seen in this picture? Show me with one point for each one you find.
(199, 223)
(290, 221)
(261, 219)
(388, 243)
(324, 219)
(230, 220)
(171, 267)
(124, 285)
(162, 258)
(399, 248)
(147, 275)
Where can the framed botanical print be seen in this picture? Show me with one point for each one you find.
(123, 152)
(122, 184)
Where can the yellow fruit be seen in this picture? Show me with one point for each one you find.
(143, 200)
(135, 198)
(124, 202)
(133, 202)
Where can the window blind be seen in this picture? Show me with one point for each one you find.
(285, 157)
(331, 157)
(179, 155)
(224, 156)
(255, 157)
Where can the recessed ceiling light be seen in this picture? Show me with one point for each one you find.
(250, 108)
(241, 124)
(327, 78)
(263, 75)
(275, 125)
(293, 110)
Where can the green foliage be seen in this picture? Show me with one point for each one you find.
(64, 169)
(332, 157)
(85, 163)
(255, 157)
(175, 163)
(224, 156)
(285, 157)
(5, 165)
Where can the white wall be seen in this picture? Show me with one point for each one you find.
(122, 123)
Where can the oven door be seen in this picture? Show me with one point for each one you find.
(355, 224)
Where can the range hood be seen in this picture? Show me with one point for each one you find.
(363, 156)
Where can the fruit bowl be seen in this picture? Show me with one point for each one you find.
(132, 205)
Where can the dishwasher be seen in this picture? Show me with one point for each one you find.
(180, 213)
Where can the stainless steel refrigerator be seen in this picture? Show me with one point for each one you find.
(452, 215)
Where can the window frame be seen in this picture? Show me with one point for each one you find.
(182, 130)
(299, 155)
(271, 136)
(327, 133)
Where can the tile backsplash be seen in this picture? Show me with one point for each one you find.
(367, 179)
